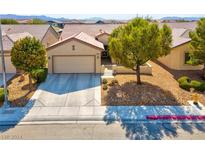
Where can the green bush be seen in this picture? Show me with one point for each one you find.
(186, 83)
(114, 82)
(199, 86)
(105, 87)
(39, 75)
(1, 94)
(104, 81)
(8, 21)
(183, 79)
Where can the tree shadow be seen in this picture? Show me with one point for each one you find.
(130, 93)
(131, 103)
(138, 128)
(10, 117)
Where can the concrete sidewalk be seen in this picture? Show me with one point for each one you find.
(108, 114)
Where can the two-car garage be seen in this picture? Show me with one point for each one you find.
(77, 54)
(73, 64)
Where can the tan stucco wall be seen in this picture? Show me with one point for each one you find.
(50, 37)
(80, 49)
(104, 39)
(176, 59)
(10, 68)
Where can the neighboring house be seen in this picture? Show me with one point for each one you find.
(81, 46)
(179, 56)
(11, 33)
(177, 59)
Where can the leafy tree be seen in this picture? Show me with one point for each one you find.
(197, 45)
(36, 21)
(28, 54)
(8, 21)
(139, 41)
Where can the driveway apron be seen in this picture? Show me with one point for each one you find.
(67, 90)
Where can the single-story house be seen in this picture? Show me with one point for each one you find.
(79, 53)
(81, 46)
(11, 33)
(176, 60)
(179, 55)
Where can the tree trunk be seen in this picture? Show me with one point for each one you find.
(30, 82)
(138, 74)
(204, 72)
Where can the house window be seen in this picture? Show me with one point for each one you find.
(73, 47)
(186, 57)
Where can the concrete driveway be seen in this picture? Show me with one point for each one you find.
(66, 90)
(8, 77)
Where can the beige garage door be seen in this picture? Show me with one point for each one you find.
(73, 64)
(9, 66)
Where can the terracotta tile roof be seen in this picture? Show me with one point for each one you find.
(185, 25)
(16, 36)
(90, 29)
(82, 37)
(102, 33)
(180, 30)
(89, 39)
(37, 31)
(9, 39)
(178, 37)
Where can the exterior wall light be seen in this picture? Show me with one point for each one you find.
(73, 47)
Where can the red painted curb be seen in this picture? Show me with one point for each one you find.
(177, 117)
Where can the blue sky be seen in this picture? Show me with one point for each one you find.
(121, 16)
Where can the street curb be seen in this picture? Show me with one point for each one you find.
(13, 123)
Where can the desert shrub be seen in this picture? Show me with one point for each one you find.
(183, 79)
(8, 21)
(197, 85)
(39, 75)
(1, 94)
(105, 87)
(104, 81)
(114, 82)
(186, 83)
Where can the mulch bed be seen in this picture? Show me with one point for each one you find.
(146, 94)
(159, 89)
(19, 91)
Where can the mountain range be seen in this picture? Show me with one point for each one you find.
(181, 18)
(46, 18)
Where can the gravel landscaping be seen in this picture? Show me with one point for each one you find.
(159, 89)
(19, 92)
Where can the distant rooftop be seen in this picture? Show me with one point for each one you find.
(180, 30)
(37, 31)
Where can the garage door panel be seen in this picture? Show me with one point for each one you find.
(9, 66)
(73, 64)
